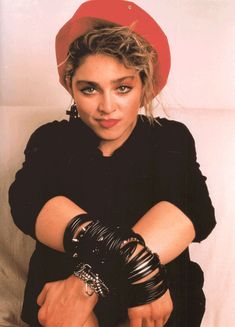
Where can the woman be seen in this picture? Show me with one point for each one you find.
(99, 191)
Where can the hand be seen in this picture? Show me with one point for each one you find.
(154, 314)
(64, 303)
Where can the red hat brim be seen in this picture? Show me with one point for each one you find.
(124, 13)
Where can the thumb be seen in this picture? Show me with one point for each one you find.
(136, 322)
(42, 296)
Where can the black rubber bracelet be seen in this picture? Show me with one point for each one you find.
(104, 249)
(71, 229)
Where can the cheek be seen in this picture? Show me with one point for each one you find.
(132, 101)
(83, 112)
(137, 96)
(135, 104)
(85, 106)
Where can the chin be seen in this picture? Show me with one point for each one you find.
(108, 136)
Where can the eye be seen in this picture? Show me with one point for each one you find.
(88, 90)
(124, 89)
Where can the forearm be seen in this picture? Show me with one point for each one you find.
(56, 213)
(166, 230)
(52, 220)
(61, 300)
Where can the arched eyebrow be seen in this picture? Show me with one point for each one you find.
(119, 80)
(116, 81)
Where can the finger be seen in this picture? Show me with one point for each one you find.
(159, 323)
(91, 321)
(135, 322)
(42, 296)
(166, 319)
(148, 323)
(42, 316)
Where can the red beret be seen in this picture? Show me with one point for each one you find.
(123, 13)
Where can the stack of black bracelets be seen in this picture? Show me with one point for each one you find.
(105, 259)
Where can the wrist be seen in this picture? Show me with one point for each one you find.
(107, 259)
(79, 287)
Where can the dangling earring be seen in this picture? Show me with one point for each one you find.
(73, 112)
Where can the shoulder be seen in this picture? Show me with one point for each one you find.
(62, 136)
(49, 129)
(48, 135)
(169, 134)
(171, 129)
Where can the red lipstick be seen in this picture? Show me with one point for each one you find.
(108, 123)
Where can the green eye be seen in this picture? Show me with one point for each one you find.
(124, 89)
(88, 90)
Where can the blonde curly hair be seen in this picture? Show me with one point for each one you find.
(123, 44)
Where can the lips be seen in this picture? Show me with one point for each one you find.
(108, 123)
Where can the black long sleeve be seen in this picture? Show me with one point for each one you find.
(179, 178)
(157, 162)
(36, 182)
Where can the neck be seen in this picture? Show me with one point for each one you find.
(108, 147)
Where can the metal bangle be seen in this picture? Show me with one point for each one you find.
(91, 279)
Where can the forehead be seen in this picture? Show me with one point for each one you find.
(94, 62)
(105, 66)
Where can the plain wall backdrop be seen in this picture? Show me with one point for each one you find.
(200, 92)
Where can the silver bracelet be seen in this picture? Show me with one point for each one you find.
(129, 240)
(91, 279)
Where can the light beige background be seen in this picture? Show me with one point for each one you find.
(200, 93)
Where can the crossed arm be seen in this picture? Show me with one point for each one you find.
(165, 228)
(166, 231)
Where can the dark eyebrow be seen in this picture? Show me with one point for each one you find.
(81, 81)
(116, 81)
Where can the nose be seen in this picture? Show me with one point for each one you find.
(107, 104)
